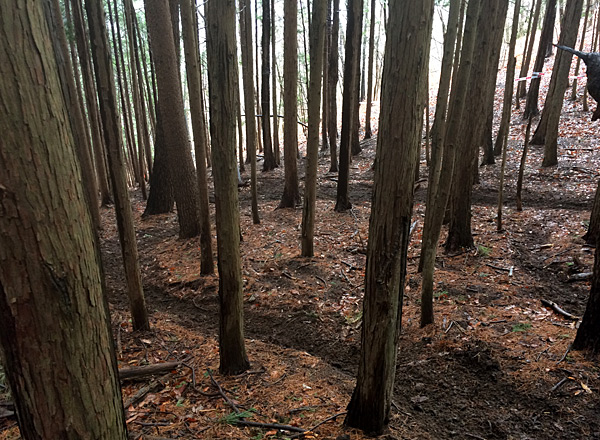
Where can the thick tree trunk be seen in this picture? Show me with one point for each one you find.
(55, 342)
(317, 42)
(353, 34)
(547, 130)
(407, 53)
(194, 78)
(593, 233)
(111, 126)
(170, 102)
(221, 49)
(332, 77)
(291, 192)
(247, 76)
(588, 334)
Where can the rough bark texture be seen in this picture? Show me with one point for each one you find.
(221, 49)
(436, 206)
(194, 78)
(348, 105)
(265, 95)
(248, 78)
(403, 88)
(593, 233)
(588, 334)
(170, 102)
(533, 25)
(368, 130)
(489, 32)
(332, 77)
(317, 41)
(531, 106)
(547, 130)
(291, 192)
(55, 339)
(276, 150)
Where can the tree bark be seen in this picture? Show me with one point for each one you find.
(406, 60)
(332, 77)
(192, 60)
(55, 339)
(593, 233)
(221, 49)
(269, 161)
(170, 102)
(276, 151)
(291, 192)
(533, 24)
(317, 42)
(368, 130)
(588, 333)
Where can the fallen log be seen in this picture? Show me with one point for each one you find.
(128, 373)
(558, 310)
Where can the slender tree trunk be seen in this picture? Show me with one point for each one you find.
(325, 95)
(332, 77)
(522, 166)
(111, 126)
(547, 130)
(593, 233)
(55, 342)
(194, 77)
(91, 102)
(291, 192)
(170, 102)
(221, 49)
(407, 53)
(269, 162)
(276, 151)
(247, 76)
(581, 47)
(531, 106)
(521, 92)
(368, 131)
(257, 92)
(436, 206)
(353, 32)
(317, 42)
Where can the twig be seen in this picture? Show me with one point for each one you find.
(541, 353)
(271, 426)
(191, 367)
(564, 355)
(333, 417)
(287, 275)
(352, 267)
(277, 381)
(558, 310)
(222, 393)
(321, 279)
(356, 225)
(474, 436)
(249, 372)
(559, 384)
(346, 277)
(505, 269)
(580, 277)
(142, 392)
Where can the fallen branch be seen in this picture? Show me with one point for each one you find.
(580, 277)
(270, 426)
(558, 310)
(146, 370)
(222, 393)
(559, 384)
(333, 417)
(153, 386)
(564, 355)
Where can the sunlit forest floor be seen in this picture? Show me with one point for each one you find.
(495, 365)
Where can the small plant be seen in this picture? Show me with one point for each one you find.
(233, 418)
(354, 318)
(521, 327)
(483, 251)
(442, 294)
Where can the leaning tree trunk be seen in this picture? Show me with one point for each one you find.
(56, 344)
(547, 130)
(116, 165)
(403, 89)
(221, 49)
(317, 42)
(192, 60)
(170, 103)
(291, 192)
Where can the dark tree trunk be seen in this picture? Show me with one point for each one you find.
(269, 162)
(403, 89)
(353, 33)
(55, 342)
(368, 130)
(170, 102)
(332, 77)
(588, 334)
(533, 25)
(111, 126)
(593, 233)
(221, 49)
(317, 42)
(291, 192)
(276, 151)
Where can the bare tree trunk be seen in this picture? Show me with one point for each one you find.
(111, 126)
(368, 131)
(529, 50)
(581, 47)
(221, 49)
(317, 42)
(269, 162)
(332, 77)
(276, 151)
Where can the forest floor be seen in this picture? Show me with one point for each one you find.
(495, 365)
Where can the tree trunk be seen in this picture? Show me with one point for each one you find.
(531, 106)
(406, 60)
(521, 92)
(247, 76)
(317, 42)
(91, 102)
(368, 131)
(191, 50)
(353, 34)
(588, 333)
(276, 151)
(170, 102)
(55, 342)
(489, 32)
(547, 130)
(332, 77)
(325, 95)
(593, 233)
(291, 192)
(581, 47)
(269, 161)
(440, 193)
(111, 126)
(221, 49)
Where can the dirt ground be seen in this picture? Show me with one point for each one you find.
(495, 365)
